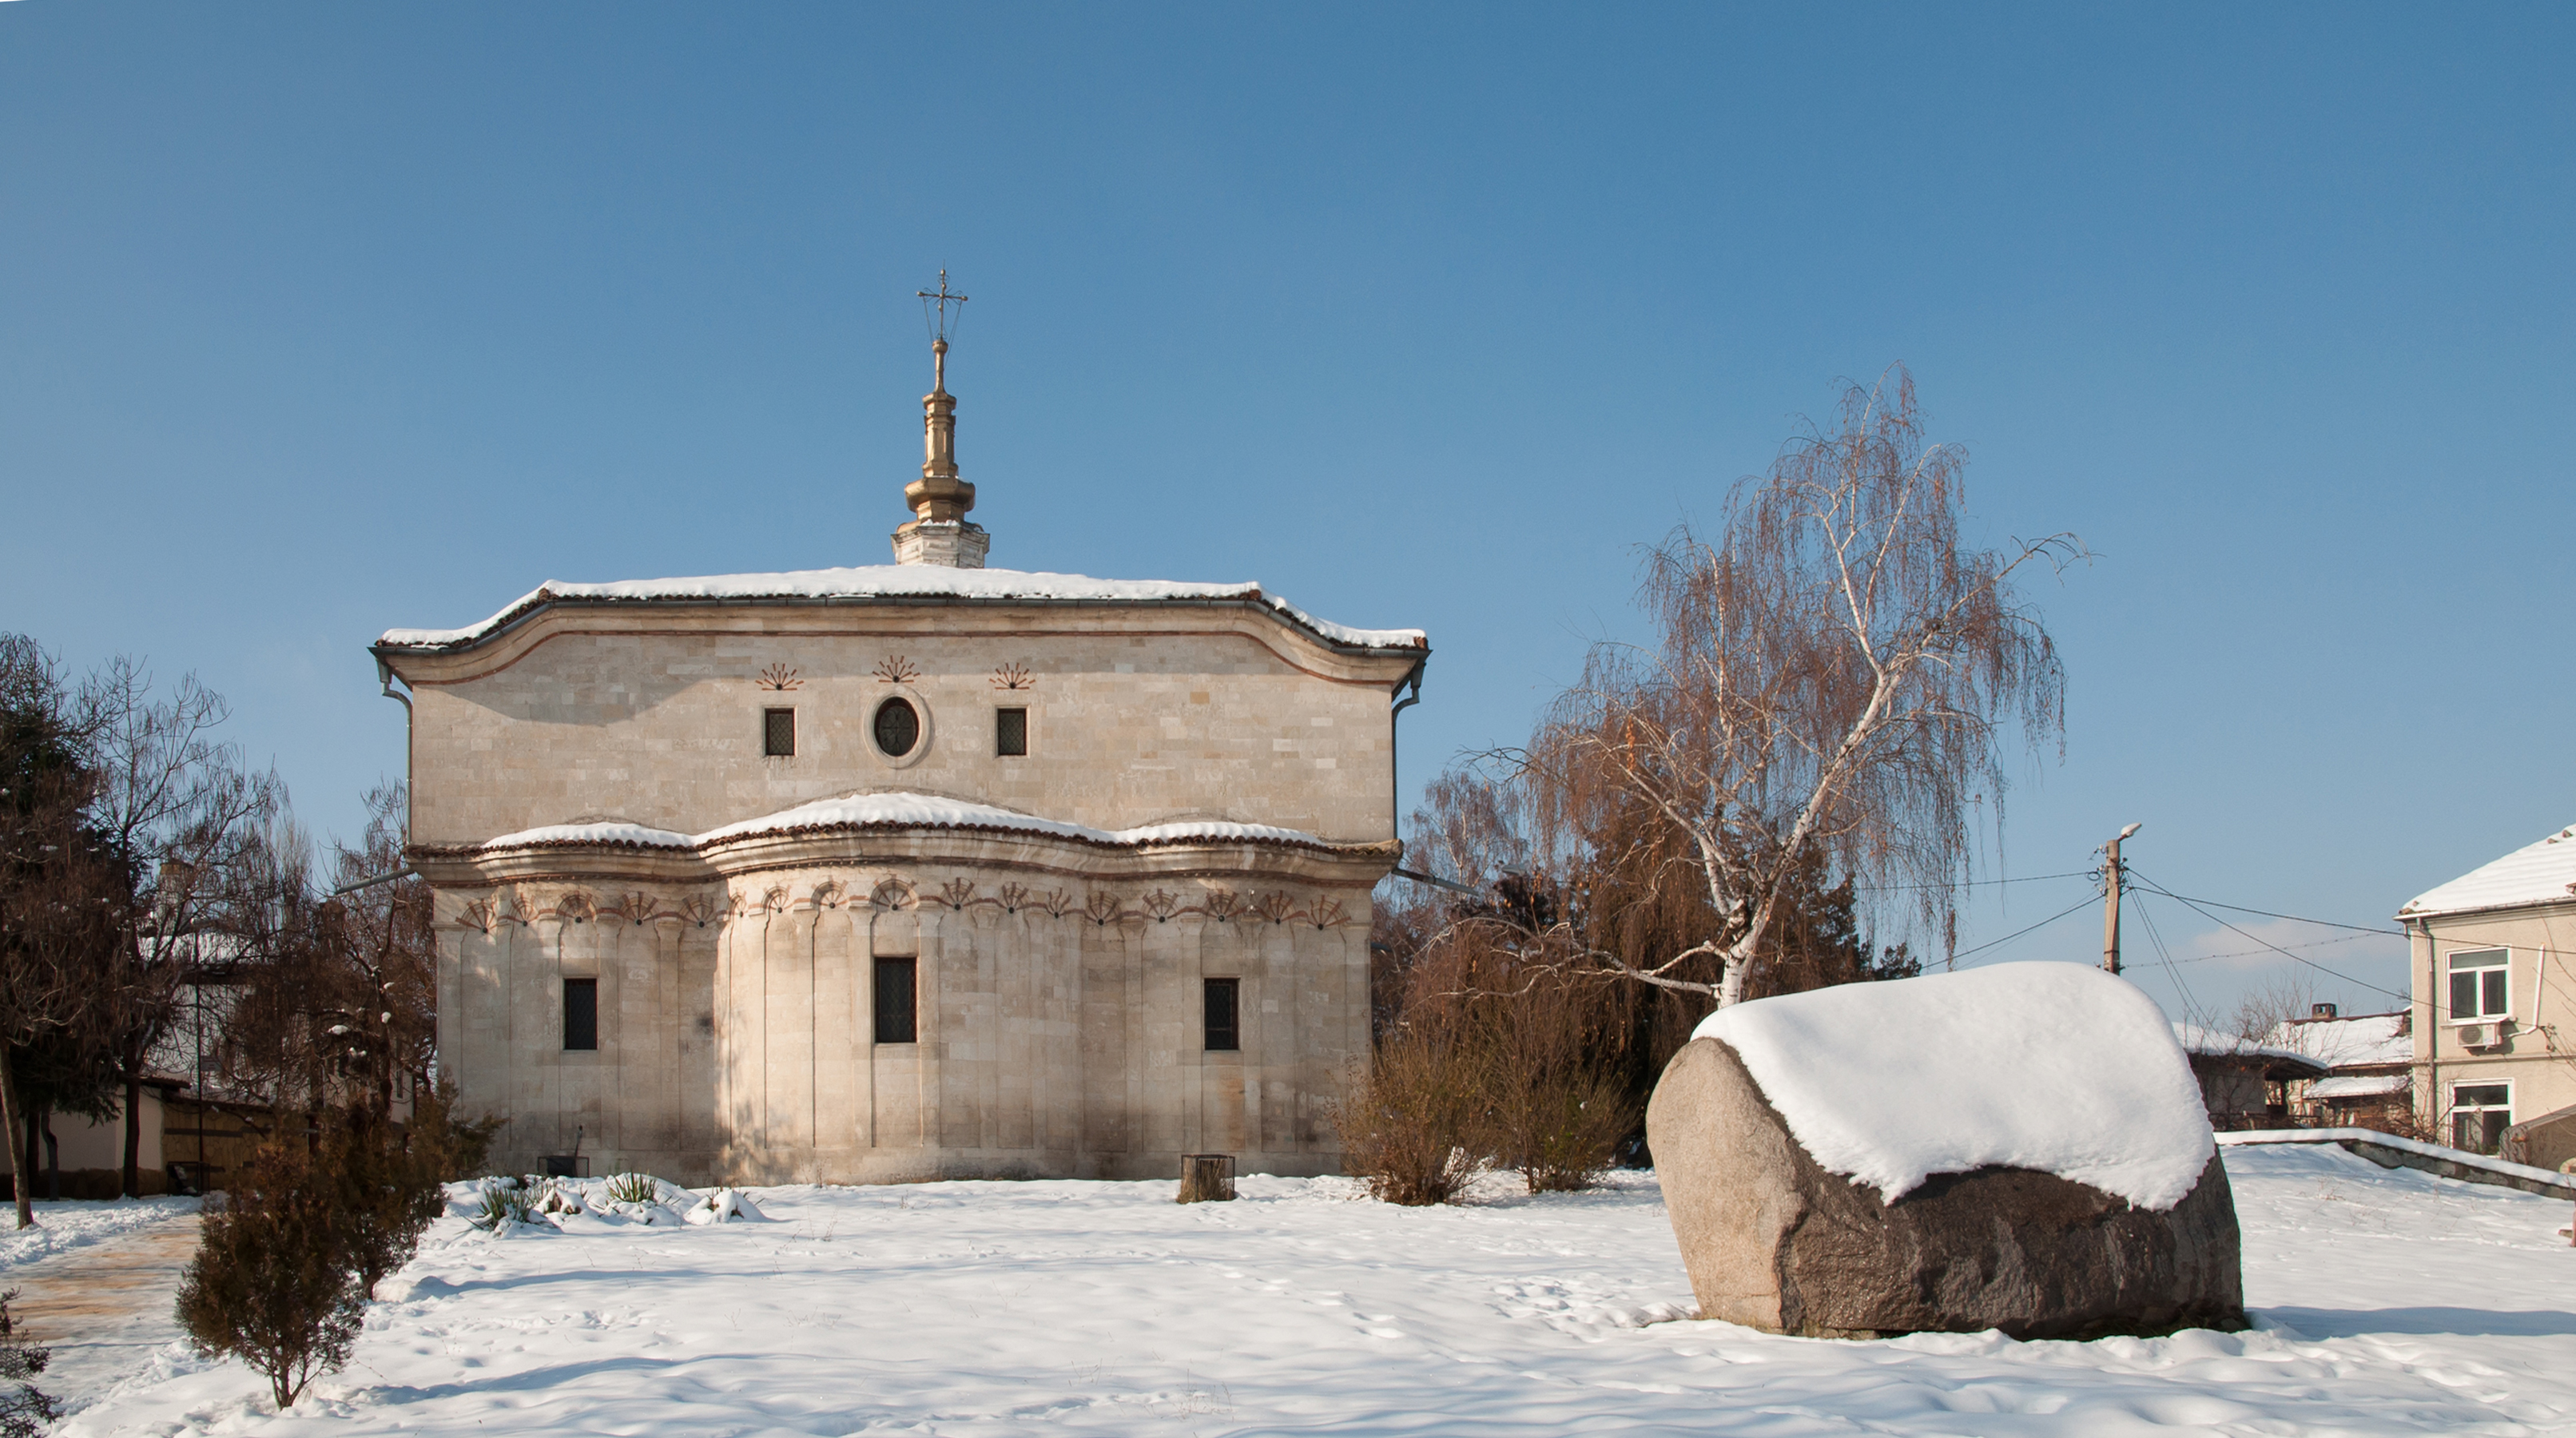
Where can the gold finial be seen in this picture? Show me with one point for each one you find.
(940, 532)
(934, 312)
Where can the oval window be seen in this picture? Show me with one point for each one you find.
(898, 727)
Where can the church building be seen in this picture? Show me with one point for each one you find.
(908, 871)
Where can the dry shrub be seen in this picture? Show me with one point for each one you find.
(1493, 1056)
(276, 1283)
(1553, 1110)
(1407, 1122)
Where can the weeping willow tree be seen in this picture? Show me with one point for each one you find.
(1835, 680)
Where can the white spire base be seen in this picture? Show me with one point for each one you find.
(952, 543)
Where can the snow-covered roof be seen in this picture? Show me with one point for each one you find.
(2359, 1086)
(2214, 1044)
(900, 810)
(898, 582)
(2361, 1041)
(2543, 872)
(2057, 1067)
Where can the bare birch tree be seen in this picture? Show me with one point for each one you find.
(185, 812)
(1838, 674)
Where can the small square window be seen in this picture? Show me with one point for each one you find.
(581, 1015)
(1221, 996)
(1010, 731)
(778, 733)
(2479, 989)
(2480, 1113)
(898, 993)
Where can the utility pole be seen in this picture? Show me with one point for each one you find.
(2112, 880)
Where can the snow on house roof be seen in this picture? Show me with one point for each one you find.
(2048, 1066)
(896, 582)
(901, 810)
(2537, 873)
(2362, 1041)
(2213, 1044)
(2359, 1086)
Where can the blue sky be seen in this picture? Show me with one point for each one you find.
(320, 319)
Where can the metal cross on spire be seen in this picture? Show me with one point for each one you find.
(934, 312)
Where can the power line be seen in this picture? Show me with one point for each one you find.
(2285, 953)
(2267, 913)
(2191, 1010)
(2084, 903)
(1972, 883)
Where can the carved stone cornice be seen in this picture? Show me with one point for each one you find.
(1244, 861)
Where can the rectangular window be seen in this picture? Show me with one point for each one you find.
(778, 733)
(1010, 731)
(2478, 987)
(581, 1014)
(1222, 1035)
(2480, 1113)
(897, 992)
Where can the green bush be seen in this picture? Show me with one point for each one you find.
(276, 1281)
(24, 1411)
(504, 1203)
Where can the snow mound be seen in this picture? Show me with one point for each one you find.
(2056, 1067)
(902, 581)
(725, 1205)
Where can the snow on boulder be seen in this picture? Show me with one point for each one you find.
(2057, 1067)
(725, 1205)
(2020, 1147)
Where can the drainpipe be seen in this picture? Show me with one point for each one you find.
(1395, 789)
(2431, 1033)
(385, 677)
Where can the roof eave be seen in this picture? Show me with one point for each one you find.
(525, 614)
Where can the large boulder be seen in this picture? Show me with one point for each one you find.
(1940, 1107)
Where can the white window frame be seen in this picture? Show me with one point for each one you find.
(2451, 969)
(2453, 1111)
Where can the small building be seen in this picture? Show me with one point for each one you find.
(2242, 1082)
(904, 871)
(2491, 987)
(2369, 1063)
(85, 1158)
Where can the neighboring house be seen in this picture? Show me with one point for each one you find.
(908, 871)
(87, 1160)
(2369, 1066)
(2489, 954)
(2241, 1081)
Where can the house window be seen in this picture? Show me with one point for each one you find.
(1220, 997)
(2480, 1113)
(898, 727)
(778, 733)
(581, 1015)
(2478, 988)
(1010, 731)
(897, 996)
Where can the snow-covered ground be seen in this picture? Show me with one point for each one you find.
(74, 1222)
(2387, 1302)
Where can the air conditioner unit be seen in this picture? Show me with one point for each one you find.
(2481, 1036)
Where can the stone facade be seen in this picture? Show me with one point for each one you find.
(1206, 793)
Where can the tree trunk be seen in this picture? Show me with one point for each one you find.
(1206, 1178)
(18, 1180)
(31, 1150)
(134, 1135)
